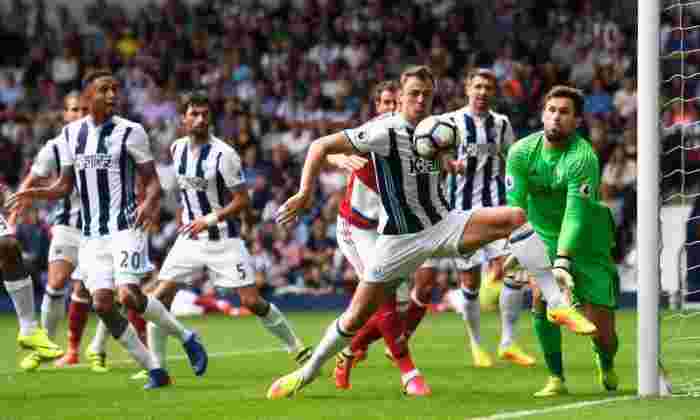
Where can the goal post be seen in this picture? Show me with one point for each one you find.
(648, 189)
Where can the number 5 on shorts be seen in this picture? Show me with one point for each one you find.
(241, 270)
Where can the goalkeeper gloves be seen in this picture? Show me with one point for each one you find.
(561, 270)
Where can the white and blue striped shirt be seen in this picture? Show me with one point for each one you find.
(206, 178)
(409, 186)
(104, 158)
(48, 162)
(481, 146)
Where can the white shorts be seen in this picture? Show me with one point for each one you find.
(228, 261)
(65, 244)
(482, 256)
(356, 244)
(4, 227)
(397, 256)
(114, 260)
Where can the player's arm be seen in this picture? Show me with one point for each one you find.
(139, 148)
(59, 189)
(348, 163)
(516, 177)
(338, 143)
(229, 168)
(582, 188)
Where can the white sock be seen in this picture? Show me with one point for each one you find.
(99, 341)
(278, 325)
(157, 343)
(131, 342)
(551, 292)
(53, 310)
(22, 294)
(510, 303)
(472, 313)
(332, 342)
(157, 313)
(458, 302)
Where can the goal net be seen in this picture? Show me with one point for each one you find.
(668, 187)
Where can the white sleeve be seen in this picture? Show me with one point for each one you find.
(371, 137)
(508, 136)
(230, 170)
(64, 148)
(138, 145)
(45, 162)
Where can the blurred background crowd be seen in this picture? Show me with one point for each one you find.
(284, 72)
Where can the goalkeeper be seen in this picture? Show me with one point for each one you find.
(554, 176)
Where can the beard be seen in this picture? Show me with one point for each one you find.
(556, 135)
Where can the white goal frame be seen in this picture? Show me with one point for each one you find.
(648, 189)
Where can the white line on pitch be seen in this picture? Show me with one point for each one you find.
(48, 365)
(565, 407)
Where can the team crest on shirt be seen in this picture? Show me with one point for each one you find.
(585, 190)
(192, 183)
(510, 182)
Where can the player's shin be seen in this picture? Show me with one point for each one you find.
(549, 337)
(157, 313)
(157, 343)
(510, 303)
(277, 324)
(21, 292)
(53, 310)
(334, 339)
(77, 318)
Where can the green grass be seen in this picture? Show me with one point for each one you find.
(245, 360)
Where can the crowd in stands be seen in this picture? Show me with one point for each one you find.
(282, 73)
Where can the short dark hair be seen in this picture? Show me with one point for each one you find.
(390, 85)
(93, 75)
(562, 91)
(196, 98)
(421, 72)
(482, 72)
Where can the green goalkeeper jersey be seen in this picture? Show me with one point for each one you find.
(558, 188)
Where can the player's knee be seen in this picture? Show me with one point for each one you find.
(254, 303)
(10, 254)
(516, 218)
(103, 306)
(131, 297)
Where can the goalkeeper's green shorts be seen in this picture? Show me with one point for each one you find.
(596, 282)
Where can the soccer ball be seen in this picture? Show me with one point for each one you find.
(432, 135)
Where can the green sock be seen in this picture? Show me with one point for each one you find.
(549, 337)
(607, 357)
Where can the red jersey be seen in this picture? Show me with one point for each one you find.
(361, 204)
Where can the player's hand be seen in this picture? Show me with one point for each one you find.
(511, 264)
(455, 166)
(19, 201)
(147, 214)
(350, 163)
(561, 270)
(193, 229)
(289, 212)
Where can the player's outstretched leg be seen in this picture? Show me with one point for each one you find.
(511, 303)
(366, 299)
(274, 322)
(153, 310)
(530, 251)
(126, 335)
(19, 286)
